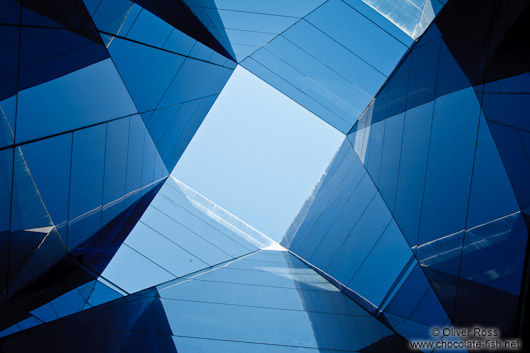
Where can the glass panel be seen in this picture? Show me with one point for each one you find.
(93, 94)
(374, 152)
(196, 79)
(43, 156)
(6, 179)
(344, 222)
(491, 194)
(327, 197)
(179, 42)
(148, 28)
(115, 168)
(132, 272)
(340, 211)
(28, 209)
(378, 265)
(412, 169)
(165, 253)
(390, 159)
(146, 83)
(86, 183)
(451, 155)
(197, 244)
(134, 158)
(7, 121)
(339, 20)
(193, 303)
(374, 220)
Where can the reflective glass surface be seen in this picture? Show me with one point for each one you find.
(419, 221)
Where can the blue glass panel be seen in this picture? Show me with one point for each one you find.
(159, 120)
(162, 251)
(344, 98)
(115, 168)
(450, 76)
(133, 323)
(409, 294)
(416, 301)
(181, 129)
(35, 261)
(148, 171)
(132, 272)
(339, 21)
(86, 183)
(249, 298)
(47, 53)
(197, 244)
(183, 212)
(491, 272)
(491, 195)
(93, 94)
(390, 160)
(9, 53)
(53, 154)
(429, 311)
(149, 29)
(160, 170)
(200, 345)
(328, 199)
(201, 52)
(29, 322)
(382, 267)
(516, 84)
(7, 121)
(28, 209)
(451, 153)
(134, 161)
(424, 53)
(70, 14)
(412, 169)
(146, 83)
(441, 260)
(180, 16)
(111, 16)
(422, 83)
(9, 12)
(512, 151)
(374, 153)
(6, 179)
(196, 79)
(179, 42)
(273, 71)
(379, 111)
(70, 302)
(258, 22)
(369, 12)
(101, 294)
(44, 313)
(344, 222)
(507, 109)
(339, 214)
(397, 89)
(336, 57)
(298, 86)
(297, 8)
(360, 241)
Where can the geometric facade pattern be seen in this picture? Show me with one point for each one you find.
(420, 220)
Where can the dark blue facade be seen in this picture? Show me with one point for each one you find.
(427, 190)
(419, 221)
(95, 112)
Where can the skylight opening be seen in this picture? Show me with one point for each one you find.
(258, 154)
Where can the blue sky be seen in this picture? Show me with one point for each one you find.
(258, 154)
